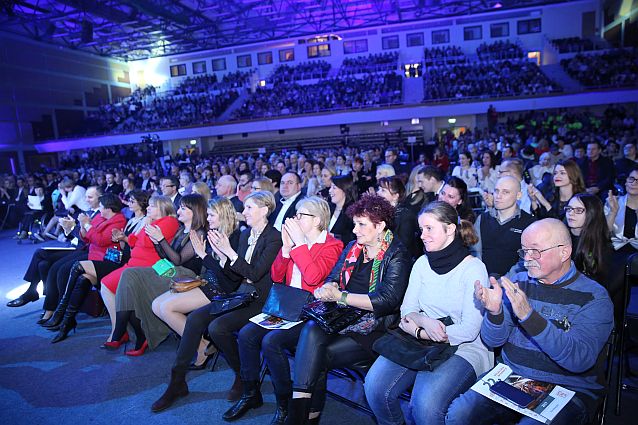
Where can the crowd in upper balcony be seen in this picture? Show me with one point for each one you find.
(574, 45)
(614, 68)
(443, 55)
(302, 71)
(374, 62)
(499, 50)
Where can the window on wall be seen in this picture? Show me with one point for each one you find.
(219, 64)
(390, 42)
(473, 33)
(440, 36)
(528, 26)
(414, 39)
(502, 29)
(355, 46)
(286, 55)
(320, 50)
(199, 67)
(178, 70)
(244, 61)
(264, 58)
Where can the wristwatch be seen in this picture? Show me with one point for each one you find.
(342, 301)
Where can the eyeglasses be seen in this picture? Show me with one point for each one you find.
(534, 254)
(575, 210)
(631, 180)
(299, 215)
(255, 188)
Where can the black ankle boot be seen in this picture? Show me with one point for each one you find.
(54, 322)
(177, 388)
(250, 399)
(282, 409)
(68, 324)
(298, 410)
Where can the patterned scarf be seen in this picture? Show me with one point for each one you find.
(353, 255)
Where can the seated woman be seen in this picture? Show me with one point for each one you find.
(567, 181)
(441, 285)
(622, 215)
(139, 286)
(371, 274)
(342, 193)
(248, 269)
(308, 254)
(95, 270)
(160, 218)
(405, 218)
(97, 233)
(172, 307)
(455, 193)
(465, 170)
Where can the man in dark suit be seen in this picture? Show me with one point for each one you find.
(111, 186)
(598, 171)
(287, 198)
(430, 180)
(227, 187)
(169, 185)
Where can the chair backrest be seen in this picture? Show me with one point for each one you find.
(632, 265)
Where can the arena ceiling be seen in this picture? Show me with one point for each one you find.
(139, 29)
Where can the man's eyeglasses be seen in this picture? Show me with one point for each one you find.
(575, 210)
(299, 215)
(534, 254)
(631, 180)
(255, 188)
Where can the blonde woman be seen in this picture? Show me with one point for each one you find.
(160, 216)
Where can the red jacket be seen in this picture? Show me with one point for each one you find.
(98, 238)
(143, 253)
(315, 264)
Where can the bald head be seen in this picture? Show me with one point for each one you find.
(551, 230)
(548, 250)
(506, 193)
(226, 186)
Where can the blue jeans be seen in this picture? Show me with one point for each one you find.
(473, 408)
(432, 392)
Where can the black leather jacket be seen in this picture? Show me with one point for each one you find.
(392, 282)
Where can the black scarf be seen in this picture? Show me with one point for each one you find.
(449, 257)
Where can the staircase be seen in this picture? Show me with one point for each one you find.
(412, 90)
(556, 73)
(243, 95)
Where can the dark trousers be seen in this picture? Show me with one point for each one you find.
(318, 352)
(41, 261)
(254, 339)
(58, 277)
(221, 330)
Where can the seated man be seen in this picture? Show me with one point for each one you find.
(552, 324)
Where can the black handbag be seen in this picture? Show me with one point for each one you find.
(286, 302)
(224, 303)
(416, 354)
(330, 316)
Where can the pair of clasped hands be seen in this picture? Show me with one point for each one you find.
(68, 222)
(218, 241)
(491, 298)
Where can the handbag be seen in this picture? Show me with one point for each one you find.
(286, 302)
(113, 255)
(224, 303)
(185, 283)
(416, 354)
(164, 268)
(330, 316)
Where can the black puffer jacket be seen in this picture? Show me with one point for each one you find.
(392, 282)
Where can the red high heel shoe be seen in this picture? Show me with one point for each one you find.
(137, 353)
(114, 345)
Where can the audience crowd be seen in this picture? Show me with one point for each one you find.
(516, 77)
(615, 68)
(374, 62)
(499, 50)
(574, 45)
(393, 236)
(447, 55)
(302, 71)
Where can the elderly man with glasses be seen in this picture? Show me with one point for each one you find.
(552, 323)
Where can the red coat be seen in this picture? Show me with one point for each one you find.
(315, 264)
(98, 238)
(143, 253)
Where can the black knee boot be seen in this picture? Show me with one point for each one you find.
(282, 409)
(177, 388)
(80, 291)
(298, 410)
(54, 322)
(250, 399)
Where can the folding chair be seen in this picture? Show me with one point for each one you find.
(631, 270)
